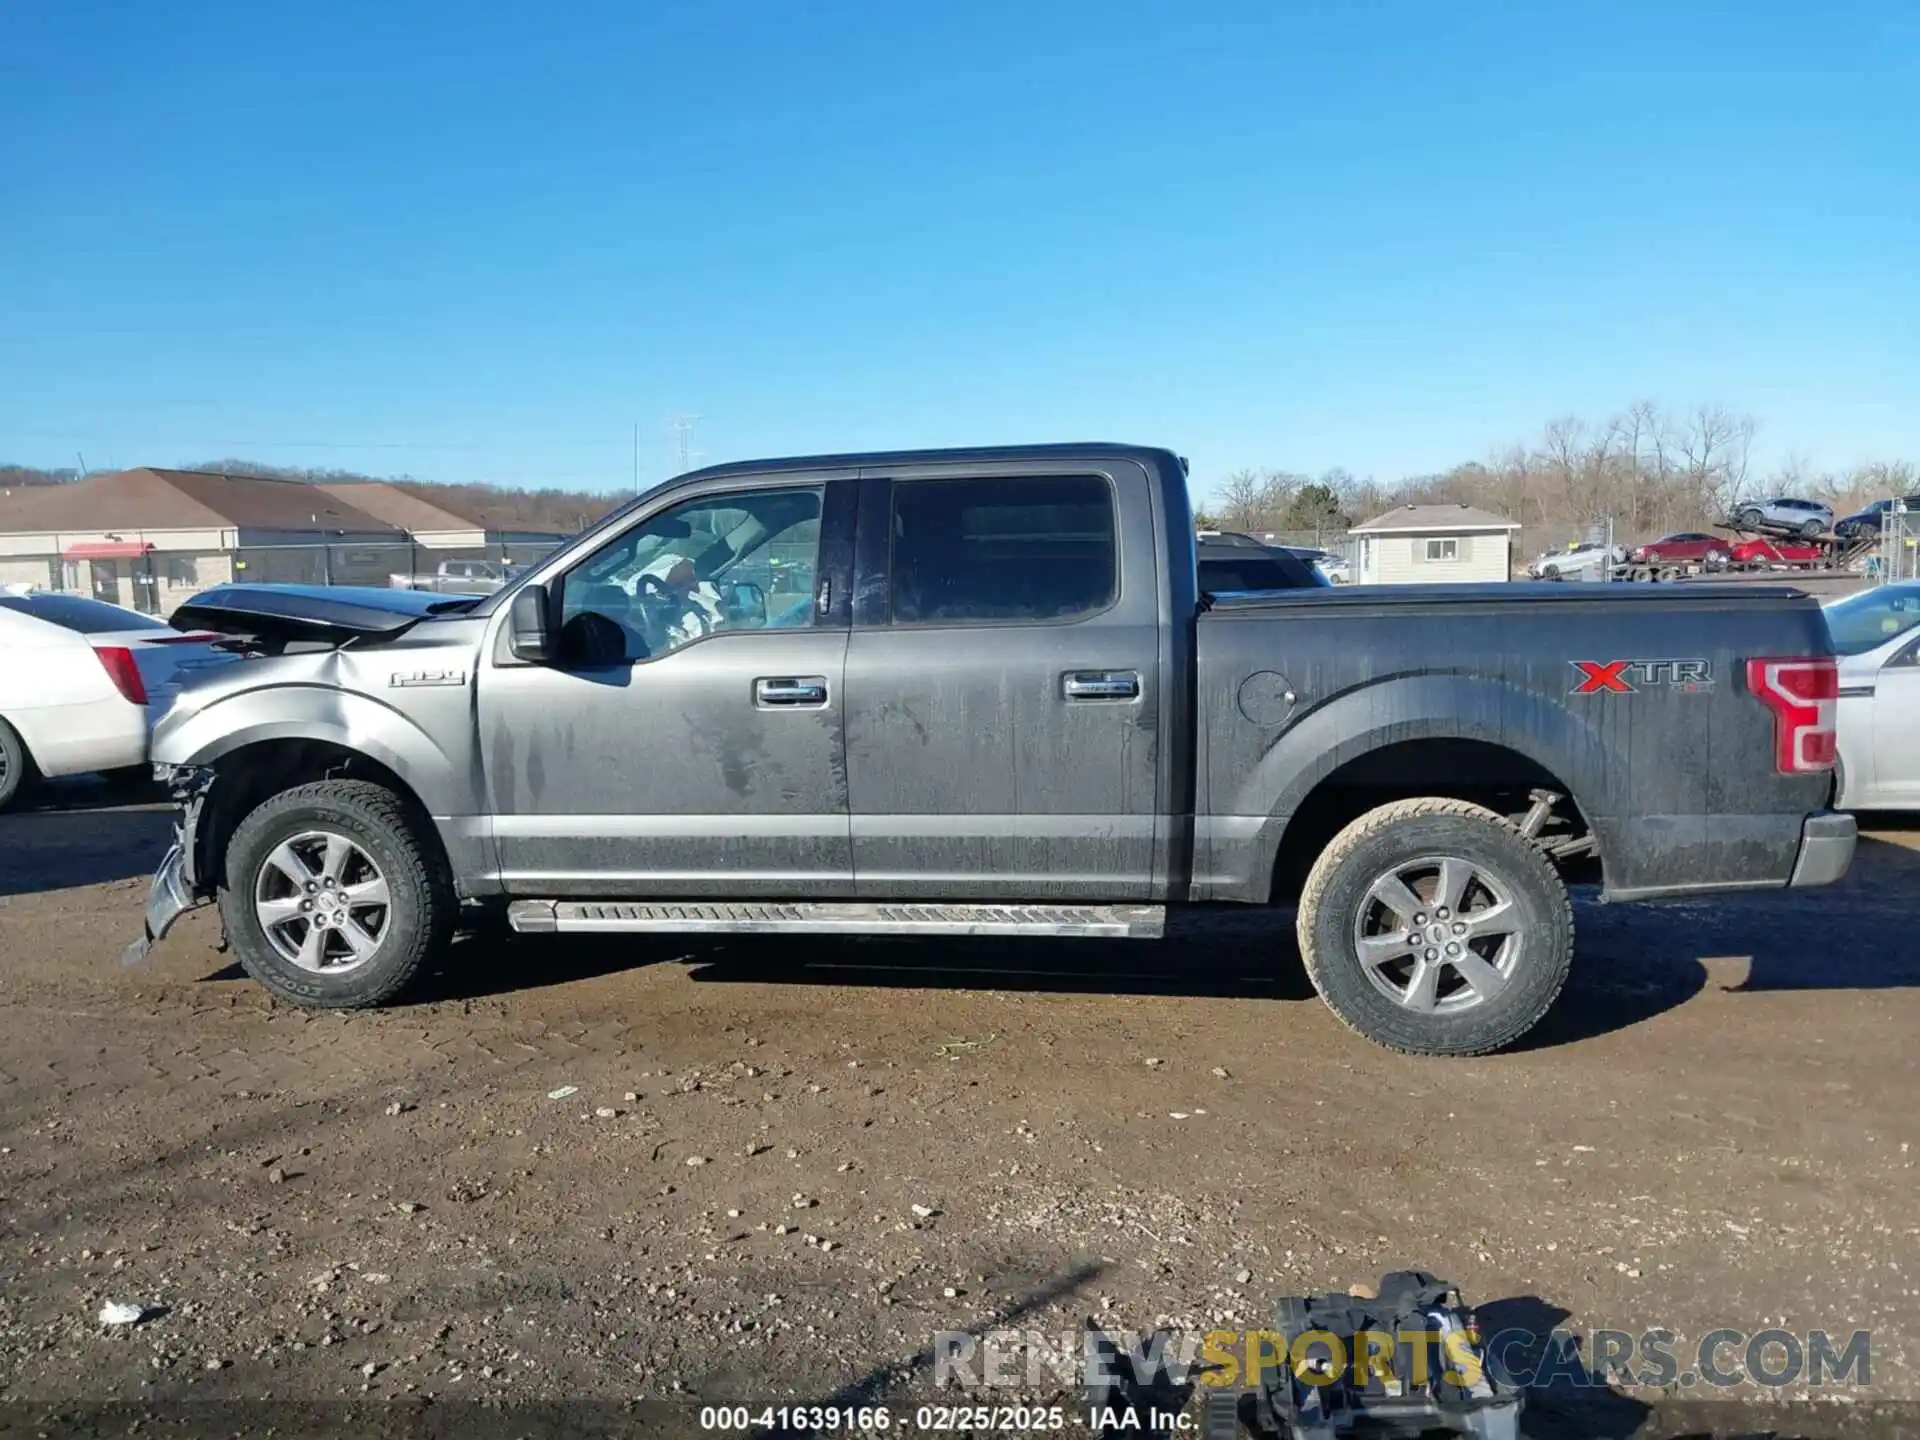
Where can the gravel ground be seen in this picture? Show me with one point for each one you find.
(615, 1171)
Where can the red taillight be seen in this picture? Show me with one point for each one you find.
(1803, 694)
(118, 660)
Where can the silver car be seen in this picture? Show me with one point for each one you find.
(1582, 562)
(1785, 516)
(1876, 634)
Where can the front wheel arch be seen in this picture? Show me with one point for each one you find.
(245, 777)
(412, 910)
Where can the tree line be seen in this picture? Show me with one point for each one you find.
(1648, 469)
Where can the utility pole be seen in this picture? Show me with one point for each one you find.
(682, 426)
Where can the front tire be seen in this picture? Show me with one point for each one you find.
(336, 895)
(1434, 927)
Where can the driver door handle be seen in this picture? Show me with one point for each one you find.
(788, 692)
(1102, 684)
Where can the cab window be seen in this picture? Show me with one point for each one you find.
(717, 563)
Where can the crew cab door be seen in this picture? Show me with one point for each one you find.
(1002, 685)
(689, 741)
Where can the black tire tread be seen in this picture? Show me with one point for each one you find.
(422, 869)
(1359, 832)
(20, 770)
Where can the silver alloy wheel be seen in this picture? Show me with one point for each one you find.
(322, 903)
(1439, 934)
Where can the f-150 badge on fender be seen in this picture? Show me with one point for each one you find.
(409, 679)
(1624, 677)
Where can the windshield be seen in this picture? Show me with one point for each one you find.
(1871, 618)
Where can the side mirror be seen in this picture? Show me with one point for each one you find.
(530, 627)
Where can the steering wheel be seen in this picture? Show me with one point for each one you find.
(658, 605)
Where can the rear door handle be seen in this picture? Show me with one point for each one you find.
(1103, 684)
(790, 691)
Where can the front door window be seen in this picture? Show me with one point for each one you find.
(719, 563)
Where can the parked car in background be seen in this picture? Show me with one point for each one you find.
(81, 683)
(1785, 515)
(1581, 562)
(1687, 547)
(1761, 553)
(461, 577)
(1229, 568)
(1331, 567)
(1864, 524)
(1876, 634)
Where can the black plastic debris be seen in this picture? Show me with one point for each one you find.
(1397, 1364)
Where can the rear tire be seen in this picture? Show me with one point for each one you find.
(1812, 530)
(16, 767)
(1511, 961)
(391, 855)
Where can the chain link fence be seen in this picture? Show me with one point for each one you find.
(1898, 557)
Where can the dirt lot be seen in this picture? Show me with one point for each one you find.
(782, 1168)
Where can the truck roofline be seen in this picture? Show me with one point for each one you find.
(964, 455)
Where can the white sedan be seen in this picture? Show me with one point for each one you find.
(1876, 634)
(81, 683)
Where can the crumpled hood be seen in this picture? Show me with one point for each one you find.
(277, 615)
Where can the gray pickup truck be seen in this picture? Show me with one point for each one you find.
(980, 693)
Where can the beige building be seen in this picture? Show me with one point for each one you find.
(455, 527)
(149, 538)
(1433, 544)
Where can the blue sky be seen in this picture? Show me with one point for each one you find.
(483, 242)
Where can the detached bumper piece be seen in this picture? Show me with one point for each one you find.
(1411, 1366)
(168, 898)
(1826, 849)
(174, 890)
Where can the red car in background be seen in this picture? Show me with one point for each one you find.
(1687, 547)
(1759, 553)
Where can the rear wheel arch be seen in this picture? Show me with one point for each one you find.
(1435, 927)
(1498, 775)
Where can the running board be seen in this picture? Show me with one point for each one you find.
(1128, 922)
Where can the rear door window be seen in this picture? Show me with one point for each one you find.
(79, 614)
(1003, 551)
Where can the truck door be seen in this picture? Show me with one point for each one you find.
(691, 743)
(1002, 680)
